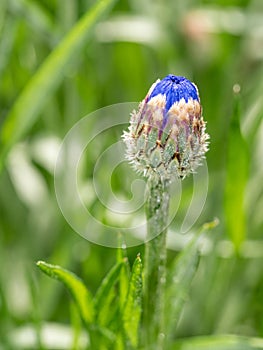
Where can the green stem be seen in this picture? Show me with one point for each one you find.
(157, 207)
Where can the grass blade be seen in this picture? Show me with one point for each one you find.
(106, 294)
(236, 180)
(221, 342)
(124, 274)
(180, 278)
(133, 308)
(76, 287)
(43, 84)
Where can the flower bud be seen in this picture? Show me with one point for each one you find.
(166, 136)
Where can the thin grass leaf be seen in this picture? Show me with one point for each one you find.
(124, 282)
(50, 74)
(124, 274)
(180, 278)
(133, 307)
(221, 342)
(236, 180)
(105, 295)
(76, 287)
(108, 309)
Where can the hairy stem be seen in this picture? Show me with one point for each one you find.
(157, 207)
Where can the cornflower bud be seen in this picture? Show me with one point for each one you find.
(166, 136)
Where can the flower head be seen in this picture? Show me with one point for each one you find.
(166, 136)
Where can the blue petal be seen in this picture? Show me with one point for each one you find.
(175, 88)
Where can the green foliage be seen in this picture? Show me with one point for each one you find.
(133, 306)
(229, 342)
(76, 287)
(124, 275)
(110, 322)
(105, 308)
(105, 313)
(236, 179)
(44, 82)
(115, 304)
(59, 61)
(180, 278)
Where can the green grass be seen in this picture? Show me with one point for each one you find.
(59, 63)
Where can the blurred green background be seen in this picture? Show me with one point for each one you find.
(218, 45)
